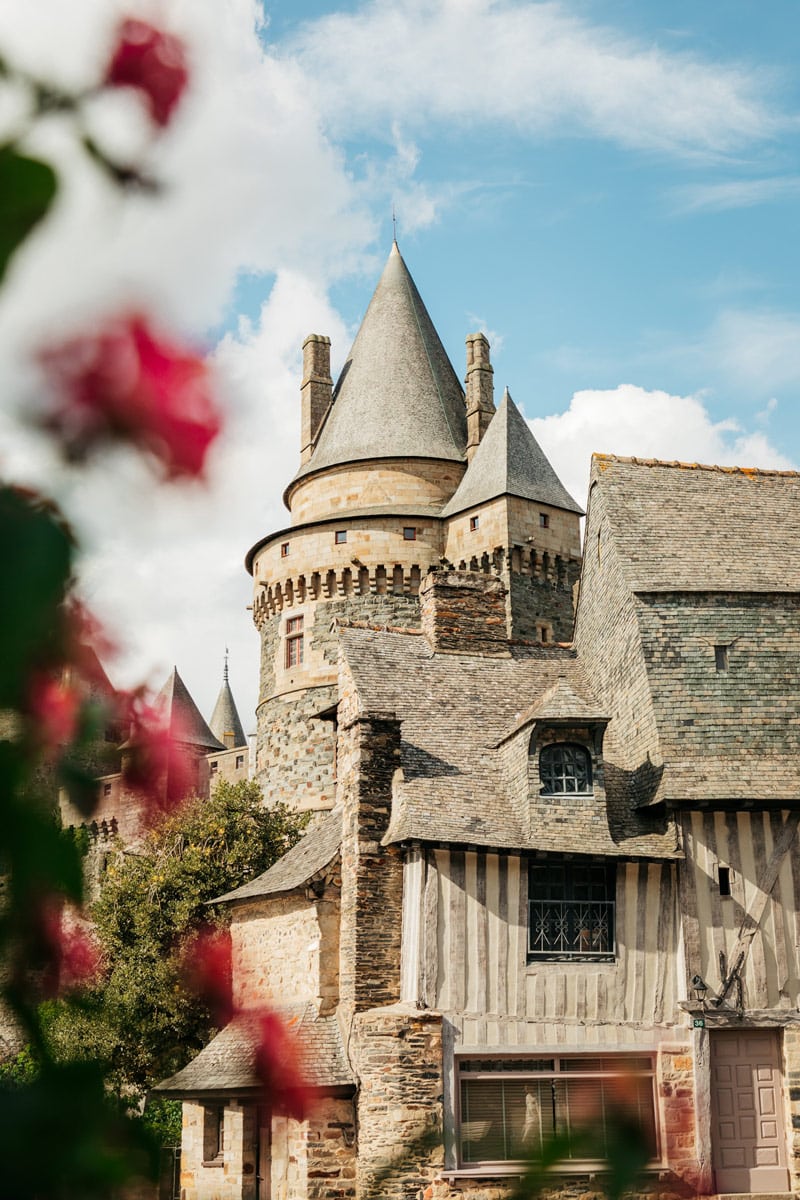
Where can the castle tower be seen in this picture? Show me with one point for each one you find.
(512, 512)
(383, 457)
(225, 723)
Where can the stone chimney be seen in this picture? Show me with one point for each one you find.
(315, 391)
(480, 391)
(464, 612)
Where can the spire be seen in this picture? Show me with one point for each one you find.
(183, 716)
(509, 461)
(397, 395)
(225, 724)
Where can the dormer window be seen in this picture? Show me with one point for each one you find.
(565, 769)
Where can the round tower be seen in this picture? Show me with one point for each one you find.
(381, 454)
(400, 471)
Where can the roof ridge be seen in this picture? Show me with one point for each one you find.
(691, 466)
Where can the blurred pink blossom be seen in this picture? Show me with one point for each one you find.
(53, 708)
(125, 383)
(152, 61)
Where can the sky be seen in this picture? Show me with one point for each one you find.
(608, 188)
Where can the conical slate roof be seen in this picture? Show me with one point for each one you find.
(398, 394)
(509, 461)
(186, 723)
(225, 723)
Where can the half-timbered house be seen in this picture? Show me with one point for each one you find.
(545, 863)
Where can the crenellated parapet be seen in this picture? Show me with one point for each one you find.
(394, 579)
(555, 569)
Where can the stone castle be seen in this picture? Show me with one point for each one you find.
(400, 471)
(554, 859)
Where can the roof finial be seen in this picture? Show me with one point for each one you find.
(394, 225)
(225, 669)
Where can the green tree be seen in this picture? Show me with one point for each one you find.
(142, 1021)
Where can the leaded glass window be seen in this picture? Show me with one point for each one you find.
(565, 768)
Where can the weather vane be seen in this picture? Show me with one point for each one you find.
(394, 224)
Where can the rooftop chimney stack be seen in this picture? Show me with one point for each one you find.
(480, 391)
(464, 612)
(316, 391)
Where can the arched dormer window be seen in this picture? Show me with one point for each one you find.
(565, 768)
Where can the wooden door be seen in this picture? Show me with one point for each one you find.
(263, 1153)
(748, 1135)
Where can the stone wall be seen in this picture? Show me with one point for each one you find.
(401, 482)
(330, 1152)
(233, 1176)
(540, 606)
(287, 947)
(295, 753)
(398, 1054)
(791, 1055)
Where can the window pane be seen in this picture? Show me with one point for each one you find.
(565, 768)
(509, 1119)
(571, 909)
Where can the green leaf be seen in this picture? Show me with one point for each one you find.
(36, 550)
(27, 190)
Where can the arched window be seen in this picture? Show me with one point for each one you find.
(565, 768)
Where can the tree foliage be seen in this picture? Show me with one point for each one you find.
(142, 1021)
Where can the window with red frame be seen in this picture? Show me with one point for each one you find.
(294, 641)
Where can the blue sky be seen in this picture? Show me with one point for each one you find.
(599, 262)
(609, 189)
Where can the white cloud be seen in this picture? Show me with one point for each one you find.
(735, 193)
(630, 420)
(536, 67)
(165, 566)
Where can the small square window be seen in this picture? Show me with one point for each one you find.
(474, 522)
(721, 658)
(543, 632)
(544, 520)
(239, 761)
(340, 537)
(106, 789)
(212, 769)
(409, 533)
(724, 878)
(284, 549)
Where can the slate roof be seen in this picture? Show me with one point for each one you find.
(561, 703)
(225, 720)
(313, 853)
(509, 461)
(398, 394)
(226, 1065)
(186, 723)
(456, 712)
(686, 527)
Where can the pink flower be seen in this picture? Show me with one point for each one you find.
(277, 1065)
(72, 956)
(53, 708)
(156, 763)
(125, 383)
(152, 61)
(207, 971)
